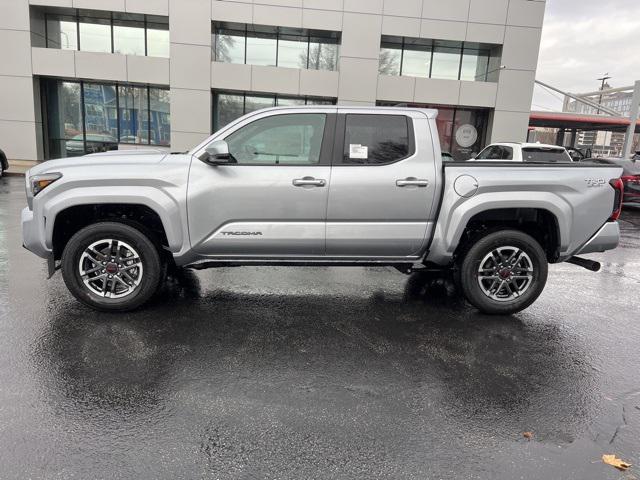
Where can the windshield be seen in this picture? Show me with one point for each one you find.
(545, 155)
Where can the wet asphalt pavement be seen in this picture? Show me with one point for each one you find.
(256, 373)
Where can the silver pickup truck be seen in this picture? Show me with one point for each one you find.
(317, 186)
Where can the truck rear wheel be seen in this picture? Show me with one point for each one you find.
(111, 266)
(504, 272)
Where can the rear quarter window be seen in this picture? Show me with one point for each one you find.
(377, 139)
(545, 155)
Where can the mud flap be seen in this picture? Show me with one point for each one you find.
(51, 266)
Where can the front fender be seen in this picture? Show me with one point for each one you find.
(167, 208)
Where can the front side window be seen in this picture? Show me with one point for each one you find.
(279, 140)
(376, 139)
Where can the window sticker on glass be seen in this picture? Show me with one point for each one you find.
(358, 151)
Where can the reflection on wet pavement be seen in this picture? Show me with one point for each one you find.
(316, 373)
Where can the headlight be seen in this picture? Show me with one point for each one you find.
(40, 182)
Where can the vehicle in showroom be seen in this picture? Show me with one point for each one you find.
(4, 163)
(523, 152)
(630, 178)
(318, 186)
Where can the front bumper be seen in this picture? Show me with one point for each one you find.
(33, 234)
(607, 238)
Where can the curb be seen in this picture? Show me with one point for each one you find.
(7, 173)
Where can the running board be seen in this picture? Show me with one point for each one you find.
(590, 265)
(292, 263)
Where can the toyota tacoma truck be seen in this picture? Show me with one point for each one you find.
(317, 186)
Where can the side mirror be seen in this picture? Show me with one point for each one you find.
(217, 153)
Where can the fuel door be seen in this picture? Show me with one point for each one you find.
(466, 186)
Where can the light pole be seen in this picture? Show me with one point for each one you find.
(603, 79)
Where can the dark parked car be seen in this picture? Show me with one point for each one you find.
(4, 163)
(630, 178)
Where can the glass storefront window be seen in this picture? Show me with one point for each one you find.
(293, 51)
(134, 114)
(438, 59)
(475, 65)
(258, 102)
(274, 46)
(112, 114)
(62, 32)
(323, 54)
(262, 49)
(128, 37)
(391, 56)
(100, 117)
(416, 59)
(446, 62)
(468, 133)
(229, 106)
(158, 40)
(97, 31)
(230, 46)
(160, 128)
(95, 35)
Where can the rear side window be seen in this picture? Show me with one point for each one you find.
(546, 155)
(377, 139)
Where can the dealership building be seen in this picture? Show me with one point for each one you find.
(80, 76)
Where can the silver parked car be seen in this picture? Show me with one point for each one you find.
(322, 185)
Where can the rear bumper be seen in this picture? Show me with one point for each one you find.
(607, 238)
(32, 235)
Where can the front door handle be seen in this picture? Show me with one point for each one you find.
(309, 182)
(412, 182)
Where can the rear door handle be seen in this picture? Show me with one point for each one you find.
(309, 182)
(412, 182)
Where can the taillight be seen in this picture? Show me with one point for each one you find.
(631, 179)
(618, 186)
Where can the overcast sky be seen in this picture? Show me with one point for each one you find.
(584, 39)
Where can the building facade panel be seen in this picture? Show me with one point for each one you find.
(150, 7)
(443, 29)
(148, 70)
(101, 66)
(489, 11)
(401, 26)
(230, 76)
(475, 60)
(521, 48)
(485, 33)
(224, 11)
(457, 10)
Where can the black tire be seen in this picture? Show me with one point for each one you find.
(470, 266)
(150, 278)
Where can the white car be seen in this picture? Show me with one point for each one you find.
(523, 152)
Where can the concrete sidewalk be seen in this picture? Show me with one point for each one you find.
(19, 167)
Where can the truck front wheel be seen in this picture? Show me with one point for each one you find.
(111, 266)
(504, 272)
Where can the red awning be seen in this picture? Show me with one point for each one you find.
(579, 121)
